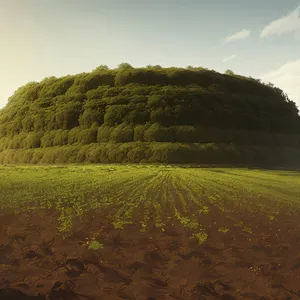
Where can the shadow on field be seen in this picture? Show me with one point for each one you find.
(295, 168)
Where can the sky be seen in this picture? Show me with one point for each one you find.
(42, 38)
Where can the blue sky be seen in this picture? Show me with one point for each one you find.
(41, 38)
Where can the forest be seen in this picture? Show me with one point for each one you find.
(150, 114)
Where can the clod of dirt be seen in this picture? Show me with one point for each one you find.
(75, 267)
(11, 294)
(202, 289)
(32, 254)
(62, 291)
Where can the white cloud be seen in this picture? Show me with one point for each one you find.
(287, 77)
(226, 59)
(240, 35)
(286, 24)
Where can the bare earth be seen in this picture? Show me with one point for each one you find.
(36, 262)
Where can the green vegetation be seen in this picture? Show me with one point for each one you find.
(95, 245)
(151, 196)
(150, 114)
(145, 152)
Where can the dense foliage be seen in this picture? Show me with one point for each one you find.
(152, 104)
(143, 152)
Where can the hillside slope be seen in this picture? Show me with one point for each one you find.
(153, 107)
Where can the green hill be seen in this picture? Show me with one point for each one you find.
(151, 114)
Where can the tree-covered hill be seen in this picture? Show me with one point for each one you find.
(147, 108)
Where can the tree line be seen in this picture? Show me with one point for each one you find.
(171, 153)
(125, 133)
(151, 104)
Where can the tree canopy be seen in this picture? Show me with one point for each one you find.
(151, 104)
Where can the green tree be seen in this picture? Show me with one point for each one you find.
(94, 111)
(122, 134)
(125, 66)
(229, 72)
(115, 114)
(101, 68)
(104, 134)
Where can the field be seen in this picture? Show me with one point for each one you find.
(148, 232)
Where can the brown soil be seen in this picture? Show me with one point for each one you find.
(36, 262)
